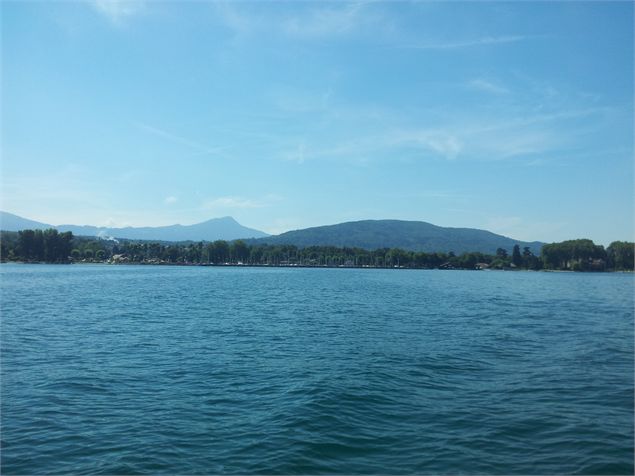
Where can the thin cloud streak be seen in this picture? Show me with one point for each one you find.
(231, 202)
(328, 20)
(201, 148)
(325, 22)
(487, 86)
(454, 45)
(118, 11)
(468, 138)
(238, 202)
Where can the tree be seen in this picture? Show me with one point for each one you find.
(193, 254)
(621, 255)
(469, 260)
(172, 253)
(220, 252)
(552, 256)
(38, 245)
(530, 261)
(239, 251)
(25, 244)
(64, 246)
(516, 258)
(579, 255)
(154, 250)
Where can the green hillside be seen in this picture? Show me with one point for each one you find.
(408, 235)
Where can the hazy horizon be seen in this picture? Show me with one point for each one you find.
(513, 118)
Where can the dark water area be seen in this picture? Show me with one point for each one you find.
(195, 370)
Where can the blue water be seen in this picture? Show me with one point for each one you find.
(198, 370)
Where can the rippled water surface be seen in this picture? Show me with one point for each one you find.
(132, 369)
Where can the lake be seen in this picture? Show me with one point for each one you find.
(207, 370)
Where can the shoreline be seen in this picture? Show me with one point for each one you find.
(248, 265)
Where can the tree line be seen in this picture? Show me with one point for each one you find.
(584, 255)
(50, 246)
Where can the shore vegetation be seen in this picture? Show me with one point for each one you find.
(50, 246)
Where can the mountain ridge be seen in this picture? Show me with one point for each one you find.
(405, 234)
(223, 228)
(367, 234)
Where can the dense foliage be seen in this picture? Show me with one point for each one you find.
(48, 246)
(584, 255)
(620, 255)
(53, 247)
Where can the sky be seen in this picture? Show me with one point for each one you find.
(511, 117)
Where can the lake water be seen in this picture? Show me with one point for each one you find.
(191, 370)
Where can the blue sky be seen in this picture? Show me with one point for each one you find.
(512, 117)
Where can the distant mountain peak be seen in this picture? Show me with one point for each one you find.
(223, 228)
(225, 218)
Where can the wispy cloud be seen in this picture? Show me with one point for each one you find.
(118, 11)
(445, 195)
(500, 139)
(128, 176)
(468, 141)
(538, 119)
(441, 142)
(487, 86)
(446, 144)
(201, 148)
(238, 202)
(170, 200)
(298, 155)
(470, 43)
(234, 18)
(231, 202)
(325, 21)
(464, 136)
(293, 100)
(322, 20)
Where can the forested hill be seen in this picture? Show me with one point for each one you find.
(407, 235)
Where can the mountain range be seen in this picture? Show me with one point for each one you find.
(225, 228)
(368, 234)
